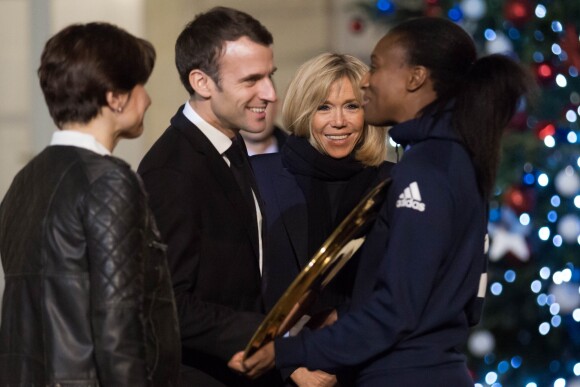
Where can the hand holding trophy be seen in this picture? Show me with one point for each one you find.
(334, 253)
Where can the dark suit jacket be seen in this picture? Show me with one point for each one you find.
(286, 230)
(286, 225)
(212, 256)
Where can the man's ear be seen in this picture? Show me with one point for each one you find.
(417, 78)
(117, 101)
(201, 83)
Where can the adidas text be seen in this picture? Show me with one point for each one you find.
(410, 203)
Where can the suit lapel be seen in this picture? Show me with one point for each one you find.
(220, 171)
(294, 215)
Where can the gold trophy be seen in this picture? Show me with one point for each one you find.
(334, 253)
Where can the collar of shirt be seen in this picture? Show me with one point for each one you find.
(273, 148)
(220, 141)
(80, 140)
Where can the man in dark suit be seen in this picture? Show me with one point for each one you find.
(225, 61)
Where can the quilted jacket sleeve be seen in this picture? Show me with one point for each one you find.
(114, 213)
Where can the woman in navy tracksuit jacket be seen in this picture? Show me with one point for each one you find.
(421, 276)
(408, 322)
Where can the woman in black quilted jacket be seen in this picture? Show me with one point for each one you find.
(88, 299)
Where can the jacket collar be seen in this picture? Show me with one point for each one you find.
(436, 125)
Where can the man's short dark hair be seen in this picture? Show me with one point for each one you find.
(201, 43)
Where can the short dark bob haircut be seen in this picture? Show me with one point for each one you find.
(83, 62)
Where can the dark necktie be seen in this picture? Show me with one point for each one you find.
(242, 171)
(240, 167)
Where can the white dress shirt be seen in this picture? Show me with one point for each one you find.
(221, 142)
(80, 140)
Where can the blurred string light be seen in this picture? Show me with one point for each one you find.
(545, 272)
(552, 216)
(489, 358)
(555, 201)
(510, 276)
(455, 13)
(544, 328)
(543, 180)
(560, 383)
(503, 367)
(540, 11)
(571, 116)
(536, 286)
(524, 219)
(572, 137)
(557, 26)
(557, 240)
(491, 377)
(385, 6)
(544, 233)
(566, 275)
(489, 34)
(516, 362)
(549, 141)
(542, 299)
(576, 315)
(556, 49)
(514, 33)
(561, 80)
(529, 178)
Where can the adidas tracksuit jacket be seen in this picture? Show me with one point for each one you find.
(421, 277)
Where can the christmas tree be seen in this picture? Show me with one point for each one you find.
(530, 332)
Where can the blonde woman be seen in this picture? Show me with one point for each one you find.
(330, 160)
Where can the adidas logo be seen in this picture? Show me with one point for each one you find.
(411, 198)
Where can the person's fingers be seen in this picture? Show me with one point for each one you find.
(261, 361)
(236, 363)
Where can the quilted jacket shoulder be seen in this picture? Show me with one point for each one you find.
(88, 299)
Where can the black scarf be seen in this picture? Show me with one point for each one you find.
(331, 187)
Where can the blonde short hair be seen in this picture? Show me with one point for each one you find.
(310, 88)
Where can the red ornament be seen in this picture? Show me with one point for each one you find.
(518, 12)
(545, 129)
(571, 44)
(520, 199)
(545, 72)
(357, 25)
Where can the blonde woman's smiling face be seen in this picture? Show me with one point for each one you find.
(337, 124)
